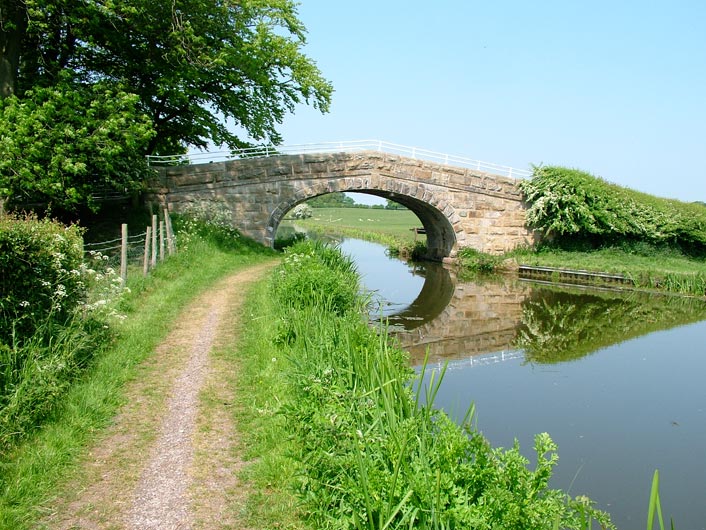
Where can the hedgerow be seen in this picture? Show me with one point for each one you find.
(569, 205)
(51, 326)
(40, 274)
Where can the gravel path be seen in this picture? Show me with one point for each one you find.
(161, 499)
(162, 465)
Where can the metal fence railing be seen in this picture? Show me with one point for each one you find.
(336, 147)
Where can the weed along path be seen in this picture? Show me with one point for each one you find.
(170, 459)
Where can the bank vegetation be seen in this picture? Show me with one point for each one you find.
(350, 430)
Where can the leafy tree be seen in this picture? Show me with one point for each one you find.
(392, 205)
(198, 69)
(61, 145)
(196, 65)
(331, 200)
(13, 23)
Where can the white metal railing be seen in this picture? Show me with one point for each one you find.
(335, 147)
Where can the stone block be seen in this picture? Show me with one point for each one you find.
(422, 174)
(279, 170)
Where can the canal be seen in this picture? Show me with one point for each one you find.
(616, 378)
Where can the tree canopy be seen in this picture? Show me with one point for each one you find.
(196, 72)
(336, 199)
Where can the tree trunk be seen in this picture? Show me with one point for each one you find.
(13, 24)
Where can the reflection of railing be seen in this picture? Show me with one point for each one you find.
(484, 360)
(336, 147)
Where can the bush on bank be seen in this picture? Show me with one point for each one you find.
(40, 274)
(568, 205)
(48, 333)
(372, 452)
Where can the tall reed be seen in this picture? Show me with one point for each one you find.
(655, 506)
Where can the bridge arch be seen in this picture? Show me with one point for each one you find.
(441, 238)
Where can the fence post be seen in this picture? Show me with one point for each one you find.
(154, 241)
(170, 233)
(161, 241)
(146, 264)
(123, 254)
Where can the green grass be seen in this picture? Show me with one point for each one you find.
(31, 472)
(649, 267)
(261, 396)
(614, 260)
(385, 225)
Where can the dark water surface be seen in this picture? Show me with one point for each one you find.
(617, 379)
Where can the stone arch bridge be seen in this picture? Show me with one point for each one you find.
(457, 206)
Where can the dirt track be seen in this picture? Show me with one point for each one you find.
(170, 460)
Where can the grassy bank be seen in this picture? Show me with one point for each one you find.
(647, 266)
(336, 429)
(31, 471)
(591, 224)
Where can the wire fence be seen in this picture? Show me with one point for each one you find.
(142, 249)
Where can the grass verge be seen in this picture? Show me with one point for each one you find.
(648, 266)
(32, 472)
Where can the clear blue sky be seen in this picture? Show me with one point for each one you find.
(616, 88)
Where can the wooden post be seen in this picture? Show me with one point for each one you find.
(154, 241)
(123, 254)
(161, 241)
(146, 264)
(170, 232)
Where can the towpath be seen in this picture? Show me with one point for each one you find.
(170, 460)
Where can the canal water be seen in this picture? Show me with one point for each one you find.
(618, 379)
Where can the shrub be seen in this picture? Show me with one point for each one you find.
(573, 206)
(416, 251)
(40, 274)
(212, 221)
(301, 211)
(50, 327)
(476, 261)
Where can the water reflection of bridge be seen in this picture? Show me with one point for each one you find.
(483, 322)
(479, 317)
(483, 359)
